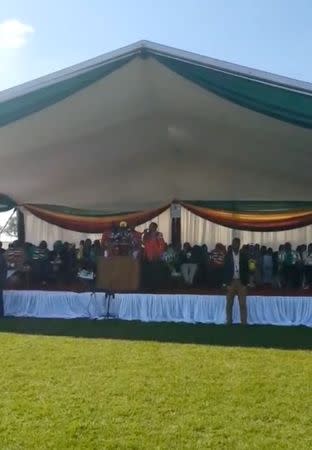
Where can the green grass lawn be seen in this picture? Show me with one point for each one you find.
(126, 385)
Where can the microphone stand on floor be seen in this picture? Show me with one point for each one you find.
(109, 296)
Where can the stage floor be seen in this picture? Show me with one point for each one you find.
(161, 307)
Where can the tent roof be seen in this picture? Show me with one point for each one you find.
(147, 124)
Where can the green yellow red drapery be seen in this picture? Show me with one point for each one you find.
(88, 221)
(270, 216)
(251, 216)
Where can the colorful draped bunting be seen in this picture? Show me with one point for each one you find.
(267, 219)
(90, 221)
(253, 206)
(251, 216)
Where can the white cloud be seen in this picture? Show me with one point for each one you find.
(14, 34)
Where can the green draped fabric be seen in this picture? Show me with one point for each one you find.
(6, 203)
(254, 216)
(81, 212)
(32, 102)
(87, 221)
(245, 215)
(253, 206)
(226, 205)
(272, 100)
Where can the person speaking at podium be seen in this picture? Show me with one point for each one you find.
(122, 240)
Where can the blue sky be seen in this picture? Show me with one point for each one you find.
(40, 36)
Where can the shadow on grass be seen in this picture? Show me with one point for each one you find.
(295, 338)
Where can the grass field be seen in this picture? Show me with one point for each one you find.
(125, 385)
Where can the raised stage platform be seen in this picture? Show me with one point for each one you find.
(189, 308)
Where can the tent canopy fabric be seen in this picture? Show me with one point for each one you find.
(135, 129)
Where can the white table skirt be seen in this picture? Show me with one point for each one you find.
(157, 308)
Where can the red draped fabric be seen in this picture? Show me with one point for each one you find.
(92, 224)
(253, 221)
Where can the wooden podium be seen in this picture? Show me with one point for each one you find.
(118, 273)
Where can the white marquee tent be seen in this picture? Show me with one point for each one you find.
(137, 128)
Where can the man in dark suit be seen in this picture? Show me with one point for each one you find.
(236, 276)
(3, 277)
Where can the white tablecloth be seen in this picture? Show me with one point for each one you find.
(157, 308)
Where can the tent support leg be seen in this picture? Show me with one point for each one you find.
(176, 232)
(20, 226)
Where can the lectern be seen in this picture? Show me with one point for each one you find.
(118, 273)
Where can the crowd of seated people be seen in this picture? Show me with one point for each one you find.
(194, 265)
(285, 268)
(38, 264)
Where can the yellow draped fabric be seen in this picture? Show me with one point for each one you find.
(92, 224)
(252, 221)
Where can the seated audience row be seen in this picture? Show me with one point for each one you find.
(285, 268)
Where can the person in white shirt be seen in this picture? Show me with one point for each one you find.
(236, 277)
